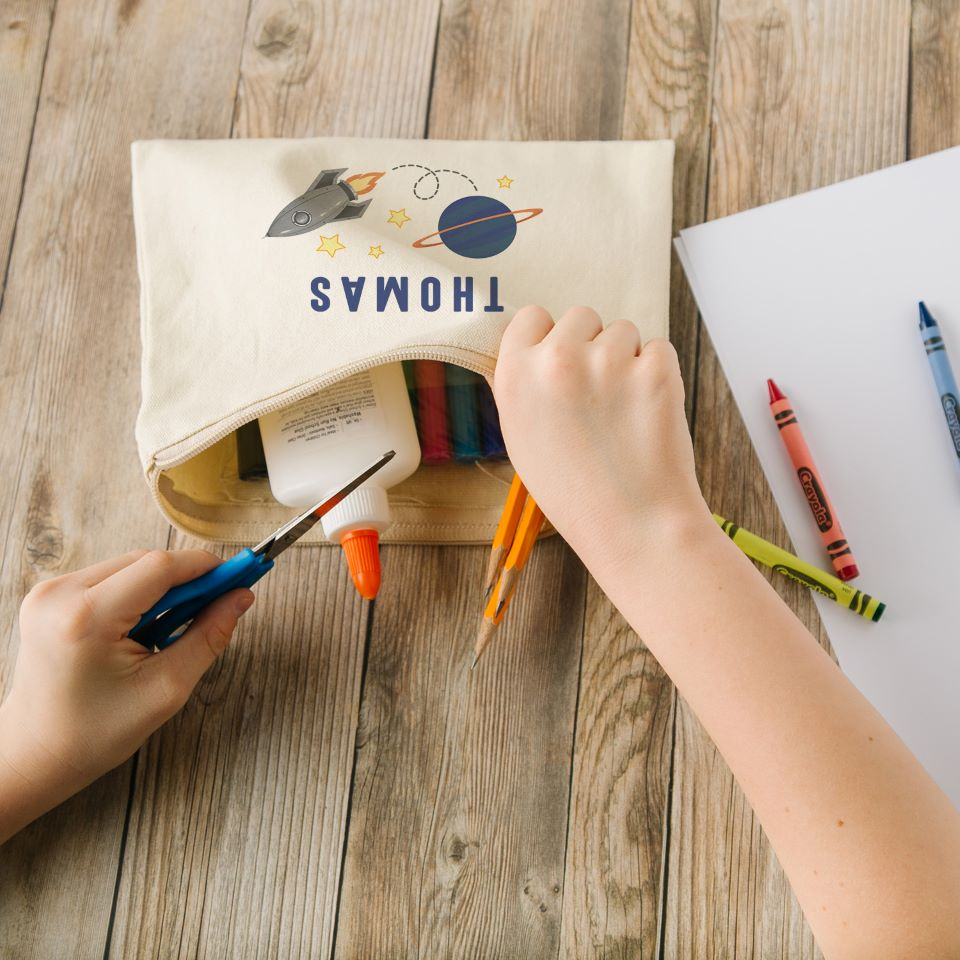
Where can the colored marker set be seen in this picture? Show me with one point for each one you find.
(455, 412)
(454, 409)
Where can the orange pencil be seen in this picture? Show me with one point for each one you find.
(506, 529)
(530, 523)
(488, 627)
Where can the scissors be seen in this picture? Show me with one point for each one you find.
(171, 614)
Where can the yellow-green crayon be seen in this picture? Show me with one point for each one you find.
(793, 567)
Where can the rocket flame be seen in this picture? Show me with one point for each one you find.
(363, 182)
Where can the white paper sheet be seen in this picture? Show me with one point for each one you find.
(820, 293)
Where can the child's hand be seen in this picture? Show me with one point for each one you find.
(85, 696)
(595, 427)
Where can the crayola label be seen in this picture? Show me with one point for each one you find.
(806, 580)
(816, 499)
(949, 402)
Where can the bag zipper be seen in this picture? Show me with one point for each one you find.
(477, 362)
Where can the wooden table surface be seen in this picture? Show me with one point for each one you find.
(340, 785)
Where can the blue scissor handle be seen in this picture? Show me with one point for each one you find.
(180, 604)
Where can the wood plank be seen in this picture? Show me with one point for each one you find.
(537, 72)
(624, 719)
(611, 903)
(69, 370)
(24, 32)
(804, 94)
(238, 821)
(934, 77)
(460, 796)
(459, 818)
(358, 69)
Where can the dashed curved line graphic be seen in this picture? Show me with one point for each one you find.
(436, 178)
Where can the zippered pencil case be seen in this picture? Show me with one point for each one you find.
(271, 270)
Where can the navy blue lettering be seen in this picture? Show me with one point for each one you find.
(352, 290)
(494, 306)
(462, 294)
(391, 286)
(321, 301)
(430, 303)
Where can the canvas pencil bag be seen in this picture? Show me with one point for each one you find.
(388, 250)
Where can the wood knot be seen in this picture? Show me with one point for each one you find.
(44, 546)
(457, 849)
(771, 21)
(277, 35)
(127, 9)
(540, 896)
(44, 538)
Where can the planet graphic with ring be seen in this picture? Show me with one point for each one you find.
(477, 226)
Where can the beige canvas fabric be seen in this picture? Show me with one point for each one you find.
(235, 323)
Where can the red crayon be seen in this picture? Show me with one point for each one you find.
(432, 411)
(812, 485)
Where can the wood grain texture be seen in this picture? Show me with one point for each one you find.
(24, 32)
(238, 820)
(328, 68)
(69, 370)
(618, 805)
(612, 893)
(539, 70)
(934, 77)
(804, 94)
(460, 796)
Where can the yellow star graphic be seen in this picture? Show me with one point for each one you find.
(504, 182)
(376, 252)
(330, 245)
(399, 217)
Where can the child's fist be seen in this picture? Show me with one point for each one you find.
(595, 427)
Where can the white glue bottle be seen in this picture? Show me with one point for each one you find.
(312, 445)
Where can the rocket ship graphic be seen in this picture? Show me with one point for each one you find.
(327, 199)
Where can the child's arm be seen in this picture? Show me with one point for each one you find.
(84, 695)
(869, 842)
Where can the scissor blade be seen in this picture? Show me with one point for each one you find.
(294, 529)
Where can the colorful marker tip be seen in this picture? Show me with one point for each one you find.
(774, 392)
(926, 319)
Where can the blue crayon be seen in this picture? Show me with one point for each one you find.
(464, 416)
(942, 374)
(493, 445)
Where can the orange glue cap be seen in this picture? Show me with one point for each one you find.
(362, 550)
